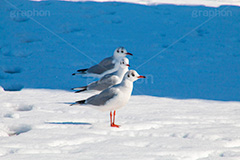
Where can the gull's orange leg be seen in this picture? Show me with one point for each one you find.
(113, 119)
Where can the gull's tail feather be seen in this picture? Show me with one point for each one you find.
(78, 102)
(80, 89)
(80, 71)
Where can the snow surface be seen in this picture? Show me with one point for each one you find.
(185, 51)
(39, 124)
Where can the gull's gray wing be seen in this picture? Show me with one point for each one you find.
(103, 97)
(105, 82)
(104, 65)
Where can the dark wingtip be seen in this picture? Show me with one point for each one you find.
(81, 102)
(81, 90)
(82, 70)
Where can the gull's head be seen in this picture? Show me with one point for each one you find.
(124, 63)
(132, 75)
(121, 52)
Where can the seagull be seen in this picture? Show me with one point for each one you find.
(108, 80)
(114, 97)
(106, 66)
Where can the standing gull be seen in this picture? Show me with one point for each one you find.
(108, 80)
(106, 66)
(114, 97)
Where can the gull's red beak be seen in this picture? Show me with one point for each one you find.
(128, 65)
(129, 54)
(141, 77)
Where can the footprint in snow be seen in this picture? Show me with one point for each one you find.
(24, 107)
(12, 70)
(11, 115)
(20, 19)
(230, 154)
(18, 16)
(71, 28)
(18, 107)
(5, 51)
(30, 40)
(19, 129)
(165, 46)
(201, 32)
(22, 53)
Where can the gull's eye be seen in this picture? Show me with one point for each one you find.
(133, 74)
(121, 51)
(123, 63)
(128, 75)
(117, 51)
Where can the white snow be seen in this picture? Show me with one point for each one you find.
(187, 49)
(151, 128)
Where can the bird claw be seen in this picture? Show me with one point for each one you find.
(114, 125)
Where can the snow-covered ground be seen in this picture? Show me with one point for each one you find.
(185, 51)
(151, 128)
(190, 52)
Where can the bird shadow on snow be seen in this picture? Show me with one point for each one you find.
(70, 103)
(69, 123)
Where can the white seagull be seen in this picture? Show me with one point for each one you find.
(108, 80)
(106, 66)
(114, 97)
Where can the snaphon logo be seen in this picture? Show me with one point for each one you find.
(29, 13)
(211, 13)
